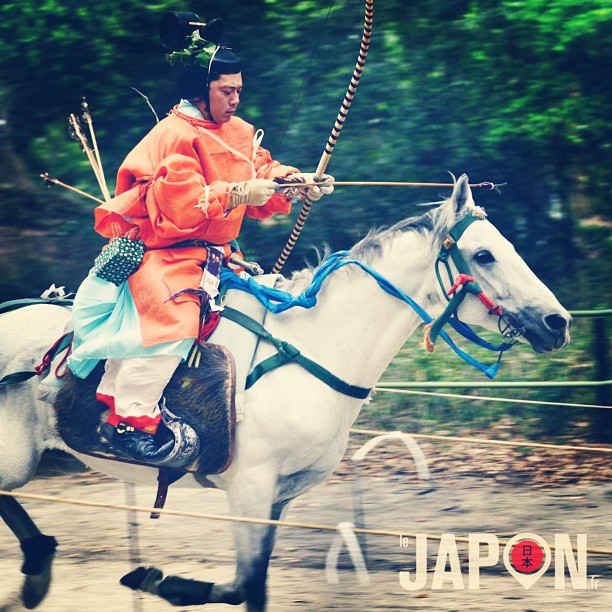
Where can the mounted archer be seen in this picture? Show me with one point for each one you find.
(181, 197)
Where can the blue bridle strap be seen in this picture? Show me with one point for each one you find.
(277, 301)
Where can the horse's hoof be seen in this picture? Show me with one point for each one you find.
(36, 552)
(36, 586)
(143, 579)
(184, 592)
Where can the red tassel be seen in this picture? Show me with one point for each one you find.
(208, 327)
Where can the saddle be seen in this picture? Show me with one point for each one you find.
(203, 396)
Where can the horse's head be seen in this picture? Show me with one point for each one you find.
(527, 306)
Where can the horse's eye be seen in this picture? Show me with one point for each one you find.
(484, 257)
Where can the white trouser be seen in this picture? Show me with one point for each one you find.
(137, 383)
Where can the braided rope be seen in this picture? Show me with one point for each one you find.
(335, 133)
(248, 519)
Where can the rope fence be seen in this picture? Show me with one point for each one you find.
(495, 385)
(605, 312)
(485, 398)
(244, 519)
(519, 444)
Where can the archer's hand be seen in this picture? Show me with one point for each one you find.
(324, 186)
(255, 192)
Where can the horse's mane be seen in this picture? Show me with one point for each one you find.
(434, 222)
(370, 247)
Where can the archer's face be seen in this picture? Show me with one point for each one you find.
(224, 97)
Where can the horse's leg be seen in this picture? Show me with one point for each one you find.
(38, 550)
(254, 545)
(20, 453)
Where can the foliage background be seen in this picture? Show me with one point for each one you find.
(514, 91)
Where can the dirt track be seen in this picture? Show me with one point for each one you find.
(95, 549)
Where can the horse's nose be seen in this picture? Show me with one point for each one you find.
(558, 323)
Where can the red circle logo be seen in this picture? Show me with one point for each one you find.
(527, 556)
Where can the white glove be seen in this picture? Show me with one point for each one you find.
(255, 192)
(325, 185)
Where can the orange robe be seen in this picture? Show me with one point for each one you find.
(175, 186)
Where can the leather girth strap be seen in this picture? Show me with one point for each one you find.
(287, 353)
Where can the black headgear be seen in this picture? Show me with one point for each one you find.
(197, 46)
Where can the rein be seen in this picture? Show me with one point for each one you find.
(277, 301)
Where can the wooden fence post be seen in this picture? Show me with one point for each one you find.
(602, 420)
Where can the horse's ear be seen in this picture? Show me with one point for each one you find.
(462, 194)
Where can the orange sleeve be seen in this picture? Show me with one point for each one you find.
(180, 204)
(268, 168)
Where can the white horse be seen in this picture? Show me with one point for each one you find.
(295, 429)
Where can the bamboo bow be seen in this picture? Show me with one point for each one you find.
(331, 142)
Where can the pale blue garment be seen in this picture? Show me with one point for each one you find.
(106, 325)
(189, 109)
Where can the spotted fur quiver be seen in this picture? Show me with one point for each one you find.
(119, 259)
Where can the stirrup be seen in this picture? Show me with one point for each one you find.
(186, 440)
